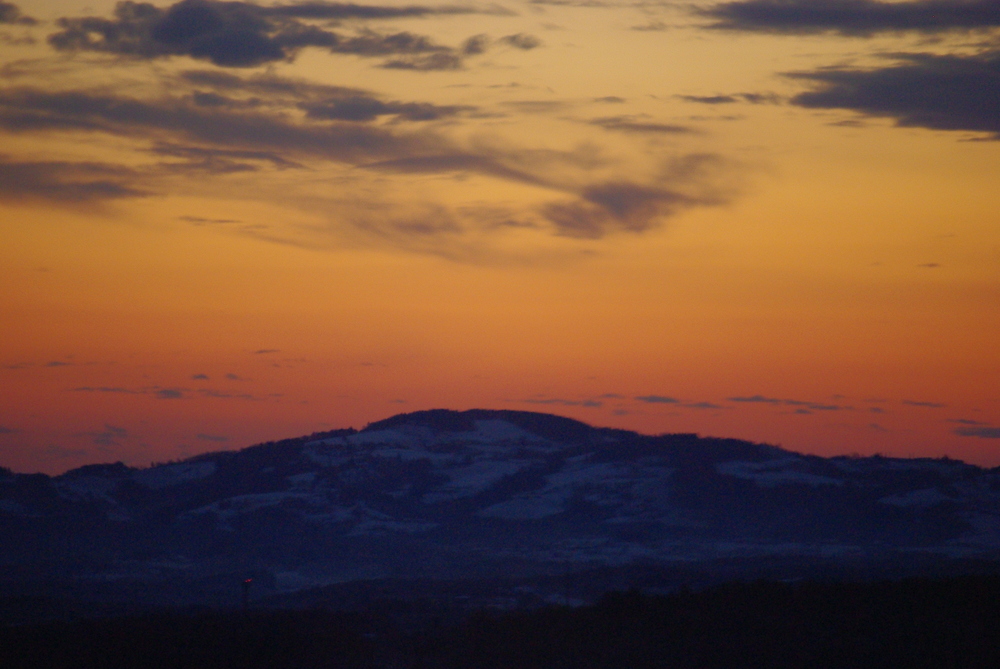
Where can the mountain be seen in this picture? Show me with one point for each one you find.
(476, 496)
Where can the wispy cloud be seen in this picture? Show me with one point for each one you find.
(154, 391)
(928, 405)
(107, 389)
(756, 399)
(752, 98)
(521, 41)
(803, 406)
(590, 403)
(65, 182)
(704, 405)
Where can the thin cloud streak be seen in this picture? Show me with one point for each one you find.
(981, 432)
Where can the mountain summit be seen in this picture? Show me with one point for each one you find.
(483, 494)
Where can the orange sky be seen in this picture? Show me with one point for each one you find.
(229, 223)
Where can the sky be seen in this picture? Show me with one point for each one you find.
(224, 223)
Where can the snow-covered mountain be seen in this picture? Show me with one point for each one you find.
(460, 495)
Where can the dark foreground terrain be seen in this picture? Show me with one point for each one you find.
(934, 623)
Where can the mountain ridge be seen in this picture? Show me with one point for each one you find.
(480, 494)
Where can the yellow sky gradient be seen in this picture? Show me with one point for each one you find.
(819, 278)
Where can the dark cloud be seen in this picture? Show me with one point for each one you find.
(929, 405)
(630, 124)
(11, 13)
(521, 41)
(966, 421)
(264, 351)
(6, 430)
(64, 182)
(924, 90)
(475, 45)
(200, 377)
(657, 399)
(612, 99)
(169, 394)
(276, 96)
(241, 34)
(614, 207)
(854, 17)
(981, 432)
(704, 405)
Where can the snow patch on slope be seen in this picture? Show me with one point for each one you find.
(922, 498)
(773, 473)
(474, 478)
